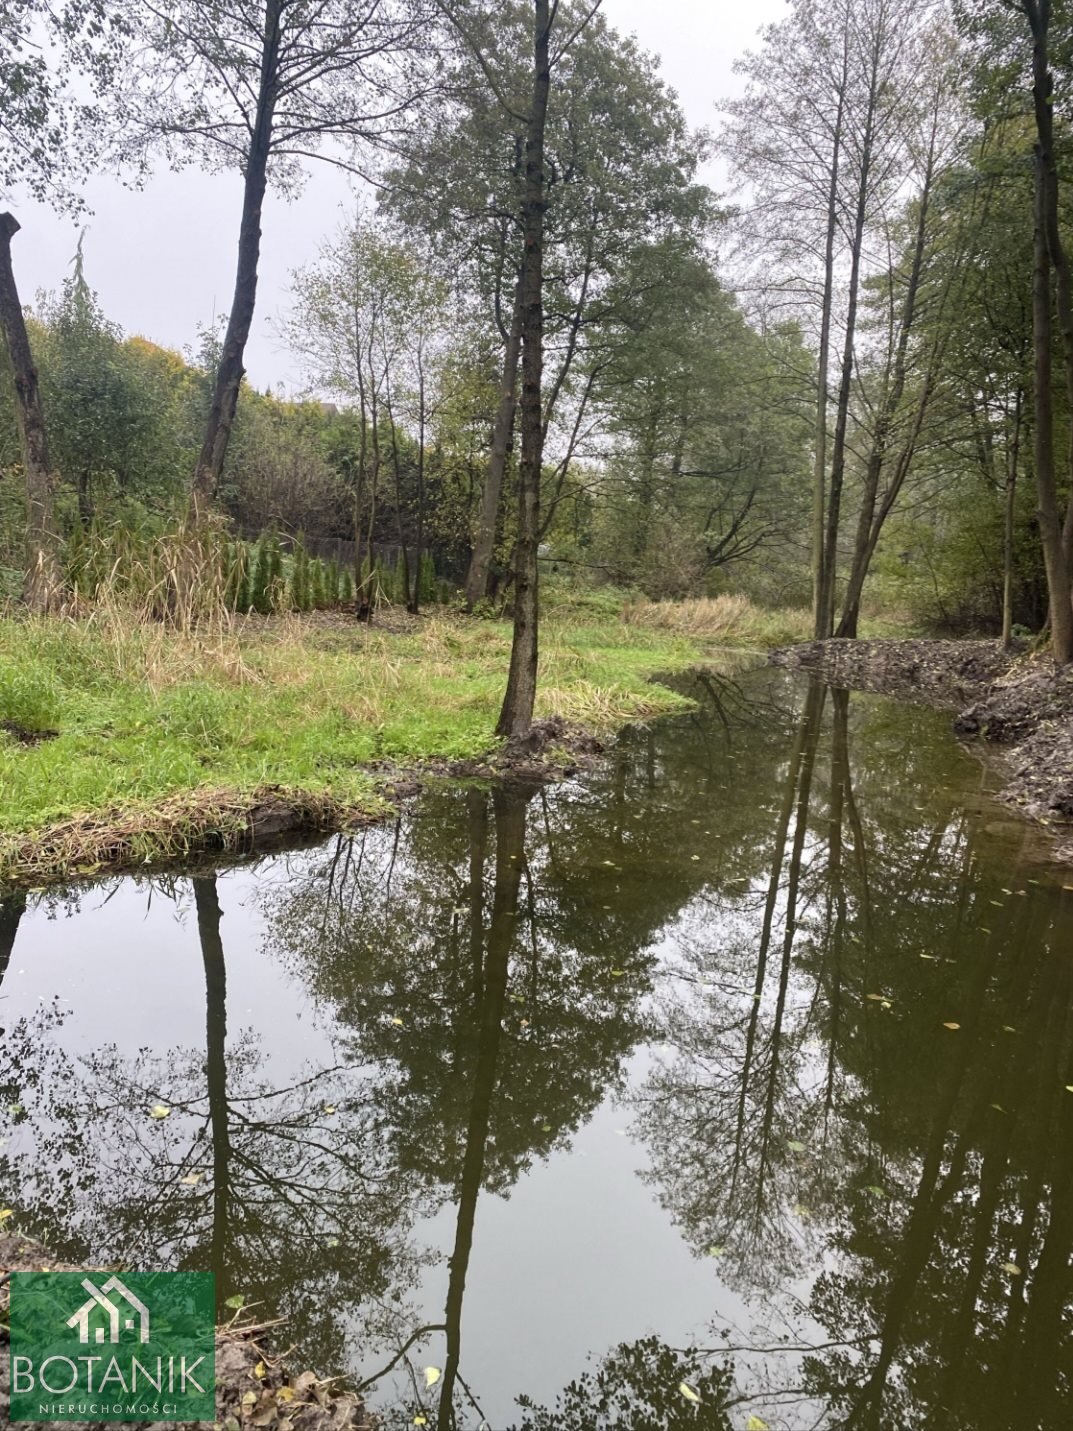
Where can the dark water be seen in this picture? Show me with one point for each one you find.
(581, 1094)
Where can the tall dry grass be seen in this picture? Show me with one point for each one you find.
(731, 620)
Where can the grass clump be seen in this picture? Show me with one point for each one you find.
(167, 733)
(731, 620)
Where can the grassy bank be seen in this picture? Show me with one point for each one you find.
(165, 739)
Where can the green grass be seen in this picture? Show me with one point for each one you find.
(147, 716)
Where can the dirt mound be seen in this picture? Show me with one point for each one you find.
(949, 674)
(253, 1388)
(1018, 704)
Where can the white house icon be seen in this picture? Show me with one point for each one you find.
(81, 1318)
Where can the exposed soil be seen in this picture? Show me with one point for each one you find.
(25, 736)
(254, 1388)
(1019, 706)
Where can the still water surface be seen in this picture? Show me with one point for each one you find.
(742, 1062)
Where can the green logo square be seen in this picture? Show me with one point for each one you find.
(99, 1347)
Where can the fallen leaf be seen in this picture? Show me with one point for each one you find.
(876, 998)
(237, 1302)
(688, 1392)
(432, 1375)
(795, 1147)
(875, 1190)
(420, 1420)
(260, 1371)
(951, 1026)
(249, 1398)
(398, 1023)
(755, 1423)
(1012, 1268)
(328, 1108)
(6, 1212)
(285, 1393)
(617, 973)
(159, 1110)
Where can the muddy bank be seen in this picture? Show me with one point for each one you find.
(253, 1387)
(1017, 705)
(234, 824)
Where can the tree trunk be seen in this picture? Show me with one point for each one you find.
(419, 545)
(1007, 536)
(476, 588)
(1046, 196)
(819, 475)
(864, 544)
(826, 605)
(516, 717)
(41, 582)
(230, 371)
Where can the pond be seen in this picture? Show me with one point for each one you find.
(728, 1085)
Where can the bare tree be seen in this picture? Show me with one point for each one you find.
(265, 88)
(41, 579)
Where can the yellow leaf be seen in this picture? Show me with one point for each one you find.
(877, 998)
(260, 1371)
(951, 1026)
(285, 1393)
(688, 1392)
(754, 1423)
(432, 1375)
(6, 1212)
(420, 1420)
(249, 1398)
(1012, 1268)
(398, 1023)
(192, 1179)
(159, 1110)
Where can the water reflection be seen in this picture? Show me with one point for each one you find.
(780, 943)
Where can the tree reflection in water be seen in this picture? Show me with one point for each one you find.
(785, 899)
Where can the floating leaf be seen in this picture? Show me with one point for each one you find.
(545, 1127)
(159, 1110)
(688, 1392)
(237, 1302)
(432, 1375)
(1012, 1268)
(795, 1147)
(617, 973)
(875, 1190)
(191, 1180)
(755, 1423)
(998, 1107)
(1008, 1028)
(398, 1023)
(951, 1026)
(877, 998)
(694, 857)
(930, 956)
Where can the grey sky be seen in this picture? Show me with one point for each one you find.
(162, 260)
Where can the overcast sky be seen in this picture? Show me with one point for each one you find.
(162, 260)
